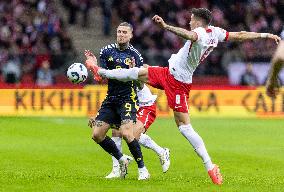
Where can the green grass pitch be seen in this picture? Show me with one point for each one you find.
(57, 154)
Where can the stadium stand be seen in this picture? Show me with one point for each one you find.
(33, 31)
(157, 45)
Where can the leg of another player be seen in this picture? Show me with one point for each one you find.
(273, 83)
(134, 73)
(183, 123)
(147, 142)
(126, 129)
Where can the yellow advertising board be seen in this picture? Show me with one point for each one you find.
(87, 101)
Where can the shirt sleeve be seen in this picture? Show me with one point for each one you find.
(138, 59)
(103, 58)
(222, 34)
(199, 32)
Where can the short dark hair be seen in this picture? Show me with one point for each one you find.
(203, 14)
(126, 25)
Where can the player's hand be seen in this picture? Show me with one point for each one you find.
(88, 54)
(276, 38)
(91, 59)
(159, 21)
(272, 88)
(132, 63)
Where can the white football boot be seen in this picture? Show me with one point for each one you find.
(165, 160)
(123, 165)
(115, 173)
(143, 173)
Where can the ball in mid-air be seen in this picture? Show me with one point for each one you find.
(77, 73)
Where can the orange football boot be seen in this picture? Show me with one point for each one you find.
(94, 68)
(215, 175)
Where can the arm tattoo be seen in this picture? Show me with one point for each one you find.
(126, 121)
(178, 31)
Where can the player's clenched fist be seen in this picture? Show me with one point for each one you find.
(159, 20)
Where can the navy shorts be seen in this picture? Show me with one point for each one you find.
(114, 112)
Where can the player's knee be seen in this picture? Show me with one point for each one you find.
(186, 128)
(97, 137)
(181, 118)
(137, 133)
(127, 135)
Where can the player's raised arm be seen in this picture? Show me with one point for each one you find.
(244, 35)
(186, 34)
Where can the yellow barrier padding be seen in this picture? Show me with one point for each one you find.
(87, 101)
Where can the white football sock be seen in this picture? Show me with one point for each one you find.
(197, 143)
(120, 74)
(117, 140)
(147, 142)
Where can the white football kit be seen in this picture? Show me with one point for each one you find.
(183, 64)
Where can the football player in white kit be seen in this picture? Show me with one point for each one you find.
(146, 115)
(177, 78)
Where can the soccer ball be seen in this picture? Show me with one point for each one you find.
(77, 73)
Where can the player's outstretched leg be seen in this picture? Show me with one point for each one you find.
(119, 74)
(163, 153)
(196, 141)
(183, 122)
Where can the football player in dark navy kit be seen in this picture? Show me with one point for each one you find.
(119, 106)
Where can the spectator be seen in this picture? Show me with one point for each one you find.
(85, 6)
(12, 70)
(75, 6)
(44, 75)
(106, 6)
(249, 78)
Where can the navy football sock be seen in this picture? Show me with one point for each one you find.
(135, 150)
(109, 146)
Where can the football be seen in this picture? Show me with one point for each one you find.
(77, 73)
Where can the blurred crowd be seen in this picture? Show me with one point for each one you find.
(34, 43)
(251, 15)
(78, 6)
